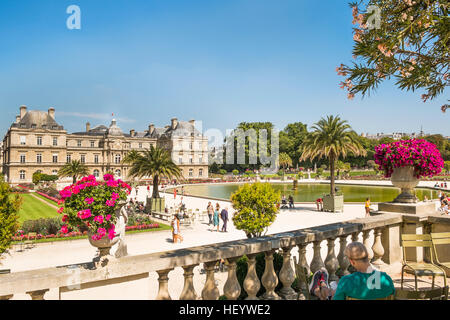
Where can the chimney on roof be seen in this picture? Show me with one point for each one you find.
(88, 127)
(23, 111)
(51, 112)
(17, 119)
(174, 123)
(132, 132)
(192, 122)
(151, 129)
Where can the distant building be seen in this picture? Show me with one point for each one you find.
(35, 141)
(395, 135)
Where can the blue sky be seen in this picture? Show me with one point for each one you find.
(219, 61)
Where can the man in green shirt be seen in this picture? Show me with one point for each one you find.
(366, 283)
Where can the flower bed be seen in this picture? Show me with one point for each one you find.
(421, 154)
(47, 196)
(20, 236)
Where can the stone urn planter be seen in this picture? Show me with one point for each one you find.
(105, 244)
(405, 179)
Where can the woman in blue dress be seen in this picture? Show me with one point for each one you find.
(216, 217)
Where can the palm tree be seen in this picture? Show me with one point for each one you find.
(154, 162)
(73, 169)
(284, 160)
(332, 138)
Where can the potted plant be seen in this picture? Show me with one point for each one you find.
(95, 206)
(405, 162)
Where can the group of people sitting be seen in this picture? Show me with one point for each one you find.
(365, 283)
(284, 202)
(441, 185)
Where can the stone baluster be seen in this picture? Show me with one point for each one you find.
(303, 266)
(287, 276)
(342, 258)
(355, 236)
(316, 262)
(366, 235)
(37, 294)
(188, 292)
(163, 279)
(331, 262)
(251, 281)
(269, 278)
(210, 290)
(378, 250)
(232, 289)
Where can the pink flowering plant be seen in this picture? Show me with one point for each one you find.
(93, 204)
(421, 154)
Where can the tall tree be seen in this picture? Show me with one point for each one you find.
(331, 138)
(156, 163)
(291, 138)
(405, 40)
(74, 169)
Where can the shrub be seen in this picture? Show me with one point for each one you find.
(45, 226)
(9, 207)
(223, 171)
(235, 172)
(256, 207)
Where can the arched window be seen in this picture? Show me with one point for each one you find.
(22, 174)
(118, 173)
(96, 173)
(54, 172)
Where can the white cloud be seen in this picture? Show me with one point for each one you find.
(98, 116)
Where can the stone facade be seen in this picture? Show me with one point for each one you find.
(35, 141)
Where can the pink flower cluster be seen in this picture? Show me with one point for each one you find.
(421, 154)
(84, 197)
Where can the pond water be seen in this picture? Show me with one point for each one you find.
(311, 191)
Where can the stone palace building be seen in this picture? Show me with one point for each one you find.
(35, 141)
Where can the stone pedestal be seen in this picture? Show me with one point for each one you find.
(409, 208)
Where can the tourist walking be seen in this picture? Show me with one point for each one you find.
(216, 217)
(210, 210)
(176, 236)
(291, 201)
(224, 217)
(367, 207)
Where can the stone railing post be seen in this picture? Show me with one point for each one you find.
(38, 294)
(269, 278)
(188, 292)
(378, 250)
(251, 281)
(392, 246)
(287, 276)
(163, 279)
(210, 290)
(342, 258)
(331, 262)
(232, 289)
(366, 242)
(316, 262)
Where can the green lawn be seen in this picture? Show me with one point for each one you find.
(33, 209)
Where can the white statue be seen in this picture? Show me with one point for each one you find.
(120, 248)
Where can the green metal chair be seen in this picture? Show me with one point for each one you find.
(420, 268)
(440, 239)
(433, 294)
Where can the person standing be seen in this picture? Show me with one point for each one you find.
(216, 217)
(175, 193)
(224, 217)
(291, 201)
(176, 236)
(367, 207)
(210, 210)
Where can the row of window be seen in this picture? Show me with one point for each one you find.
(39, 158)
(96, 173)
(191, 160)
(23, 140)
